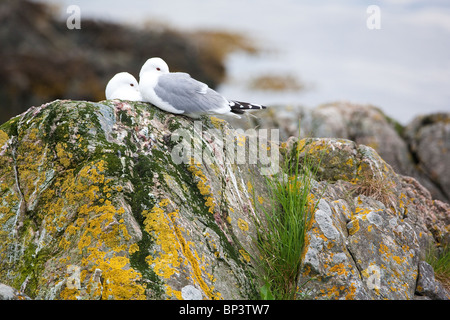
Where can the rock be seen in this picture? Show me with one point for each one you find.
(366, 246)
(363, 124)
(419, 150)
(429, 141)
(95, 206)
(428, 286)
(342, 159)
(120, 200)
(190, 292)
(366, 125)
(8, 293)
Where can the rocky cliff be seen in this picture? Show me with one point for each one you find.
(107, 201)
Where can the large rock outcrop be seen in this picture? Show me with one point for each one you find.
(94, 205)
(106, 201)
(371, 229)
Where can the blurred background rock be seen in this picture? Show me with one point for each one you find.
(42, 60)
(421, 149)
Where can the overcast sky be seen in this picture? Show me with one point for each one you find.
(403, 67)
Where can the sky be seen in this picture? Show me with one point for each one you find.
(403, 67)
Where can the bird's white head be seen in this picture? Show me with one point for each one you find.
(121, 82)
(155, 66)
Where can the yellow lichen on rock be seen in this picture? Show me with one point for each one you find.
(202, 185)
(157, 224)
(353, 226)
(121, 281)
(3, 138)
(63, 155)
(245, 256)
(173, 250)
(99, 231)
(242, 224)
(31, 156)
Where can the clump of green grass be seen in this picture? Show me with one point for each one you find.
(440, 261)
(281, 235)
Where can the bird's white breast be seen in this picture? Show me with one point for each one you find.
(147, 84)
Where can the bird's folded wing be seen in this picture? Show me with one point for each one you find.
(187, 94)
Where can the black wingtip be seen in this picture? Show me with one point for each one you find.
(238, 107)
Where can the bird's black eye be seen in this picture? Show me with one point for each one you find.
(159, 69)
(131, 84)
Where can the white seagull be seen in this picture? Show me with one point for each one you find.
(123, 86)
(177, 92)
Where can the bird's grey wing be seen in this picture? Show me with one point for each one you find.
(185, 93)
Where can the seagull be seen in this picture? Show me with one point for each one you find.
(123, 86)
(178, 93)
